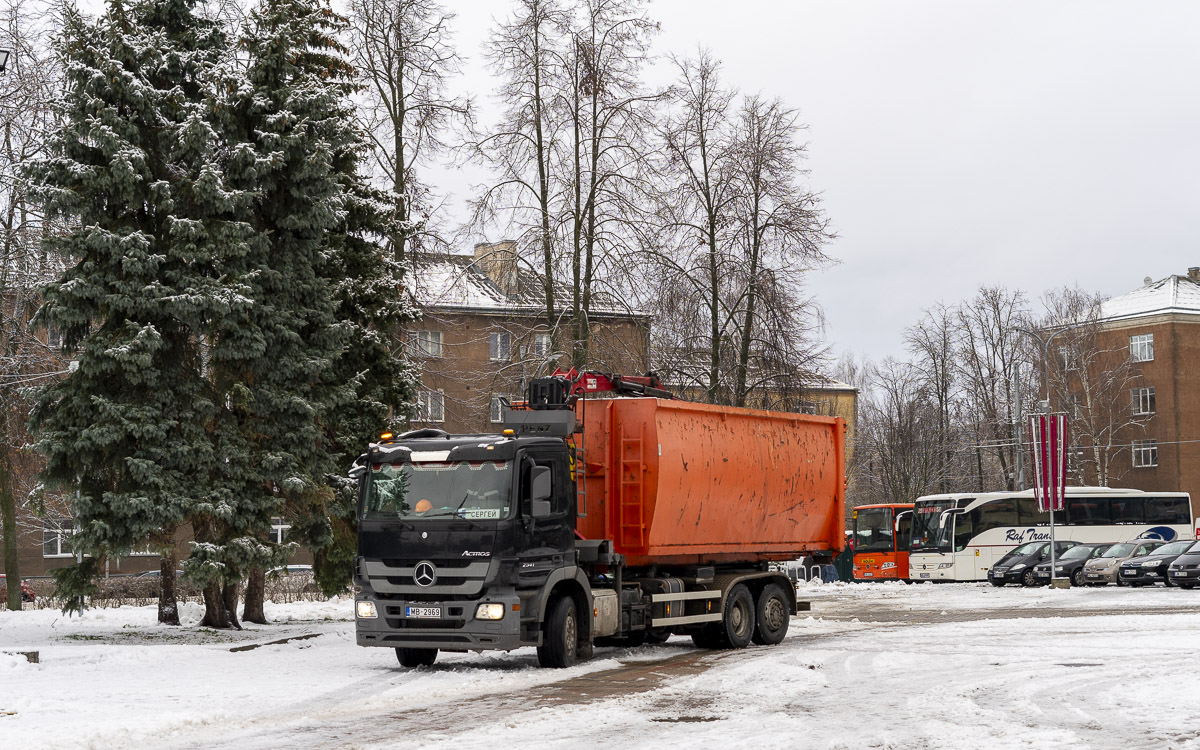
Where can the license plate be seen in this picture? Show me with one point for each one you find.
(1093, 575)
(434, 612)
(1042, 575)
(1131, 573)
(1178, 573)
(868, 575)
(924, 575)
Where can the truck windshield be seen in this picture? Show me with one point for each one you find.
(474, 490)
(873, 530)
(927, 536)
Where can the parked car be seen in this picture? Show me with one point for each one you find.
(1185, 571)
(1017, 566)
(27, 592)
(1070, 565)
(157, 574)
(1150, 569)
(1102, 570)
(291, 570)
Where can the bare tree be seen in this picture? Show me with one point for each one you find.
(26, 355)
(526, 52)
(738, 234)
(404, 53)
(781, 231)
(994, 369)
(697, 206)
(901, 456)
(607, 116)
(1093, 381)
(931, 343)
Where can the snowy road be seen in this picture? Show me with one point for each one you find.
(883, 666)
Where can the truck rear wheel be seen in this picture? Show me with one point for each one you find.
(560, 645)
(416, 657)
(771, 616)
(737, 622)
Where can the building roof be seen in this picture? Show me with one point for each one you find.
(1174, 294)
(456, 282)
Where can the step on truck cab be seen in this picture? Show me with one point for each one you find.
(593, 520)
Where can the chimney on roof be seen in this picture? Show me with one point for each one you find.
(498, 261)
(1194, 274)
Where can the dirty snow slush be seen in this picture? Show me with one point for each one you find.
(878, 665)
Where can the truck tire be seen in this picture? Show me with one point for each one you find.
(416, 657)
(560, 644)
(736, 628)
(708, 637)
(771, 616)
(658, 635)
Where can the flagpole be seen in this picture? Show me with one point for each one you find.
(1051, 489)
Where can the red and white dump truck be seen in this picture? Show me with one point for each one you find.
(619, 519)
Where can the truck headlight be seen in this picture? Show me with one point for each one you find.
(366, 610)
(943, 566)
(489, 611)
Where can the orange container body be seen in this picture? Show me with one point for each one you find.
(679, 483)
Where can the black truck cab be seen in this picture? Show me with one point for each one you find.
(458, 536)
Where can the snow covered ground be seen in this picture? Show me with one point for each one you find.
(872, 666)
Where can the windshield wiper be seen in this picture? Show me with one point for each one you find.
(454, 513)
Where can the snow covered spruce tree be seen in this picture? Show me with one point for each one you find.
(131, 169)
(308, 371)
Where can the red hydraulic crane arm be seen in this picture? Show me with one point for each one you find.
(586, 382)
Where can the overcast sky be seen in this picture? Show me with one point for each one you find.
(956, 144)
(1028, 144)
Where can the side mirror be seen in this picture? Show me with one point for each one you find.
(539, 483)
(539, 491)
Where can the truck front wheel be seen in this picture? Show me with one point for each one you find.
(737, 625)
(560, 643)
(416, 657)
(771, 616)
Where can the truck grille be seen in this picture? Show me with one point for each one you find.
(453, 578)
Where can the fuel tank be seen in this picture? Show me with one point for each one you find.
(679, 483)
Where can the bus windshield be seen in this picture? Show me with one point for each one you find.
(472, 490)
(927, 536)
(873, 530)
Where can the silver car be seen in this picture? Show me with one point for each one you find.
(1103, 569)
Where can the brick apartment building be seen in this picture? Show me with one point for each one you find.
(483, 336)
(1160, 326)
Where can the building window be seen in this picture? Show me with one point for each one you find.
(499, 407)
(426, 343)
(431, 406)
(1143, 401)
(1070, 359)
(500, 347)
(1145, 453)
(279, 530)
(1141, 348)
(1075, 406)
(56, 538)
(541, 345)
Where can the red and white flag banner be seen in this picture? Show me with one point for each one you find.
(1049, 440)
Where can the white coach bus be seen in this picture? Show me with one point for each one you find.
(958, 537)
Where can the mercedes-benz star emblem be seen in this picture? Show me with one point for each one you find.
(424, 574)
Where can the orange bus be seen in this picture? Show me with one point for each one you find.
(881, 541)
